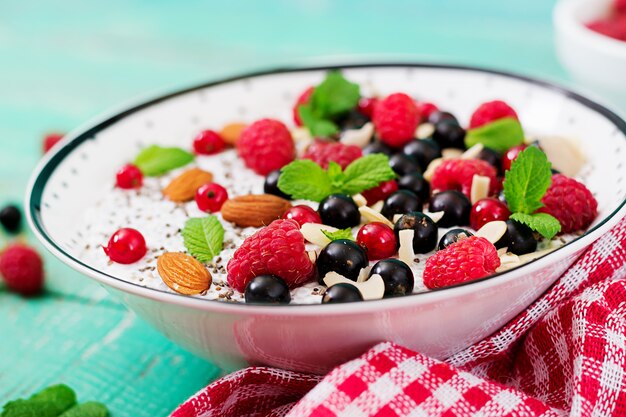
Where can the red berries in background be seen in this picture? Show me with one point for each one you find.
(378, 240)
(490, 112)
(50, 140)
(126, 246)
(366, 105)
(380, 192)
(21, 268)
(208, 142)
(129, 177)
(510, 155)
(302, 214)
(396, 118)
(211, 197)
(426, 109)
(488, 210)
(302, 99)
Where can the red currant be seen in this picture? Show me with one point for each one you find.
(488, 210)
(210, 197)
(208, 142)
(366, 105)
(378, 239)
(380, 192)
(510, 156)
(302, 214)
(129, 177)
(426, 109)
(50, 140)
(126, 246)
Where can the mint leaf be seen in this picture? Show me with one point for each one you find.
(527, 181)
(316, 125)
(304, 179)
(88, 409)
(366, 172)
(334, 96)
(203, 237)
(499, 135)
(156, 160)
(50, 402)
(543, 223)
(339, 234)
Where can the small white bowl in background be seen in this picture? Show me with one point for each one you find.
(596, 61)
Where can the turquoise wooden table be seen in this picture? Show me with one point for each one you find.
(62, 63)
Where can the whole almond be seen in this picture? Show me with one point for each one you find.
(254, 210)
(231, 132)
(183, 188)
(183, 273)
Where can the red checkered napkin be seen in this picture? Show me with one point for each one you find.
(564, 355)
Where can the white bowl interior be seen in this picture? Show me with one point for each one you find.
(78, 180)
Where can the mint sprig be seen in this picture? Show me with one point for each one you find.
(304, 179)
(543, 223)
(499, 135)
(156, 160)
(203, 237)
(331, 99)
(525, 185)
(339, 234)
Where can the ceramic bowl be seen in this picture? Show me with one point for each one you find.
(314, 338)
(596, 62)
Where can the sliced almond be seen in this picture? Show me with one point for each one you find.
(231, 132)
(301, 134)
(358, 137)
(373, 216)
(473, 152)
(492, 231)
(183, 273)
(312, 255)
(364, 273)
(502, 251)
(372, 289)
(183, 188)
(359, 200)
(397, 217)
(451, 153)
(480, 188)
(378, 206)
(430, 170)
(312, 232)
(406, 253)
(425, 130)
(254, 210)
(564, 153)
(435, 216)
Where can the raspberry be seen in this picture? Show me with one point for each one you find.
(570, 202)
(322, 152)
(426, 109)
(50, 140)
(266, 145)
(457, 174)
(490, 112)
(396, 118)
(466, 260)
(366, 105)
(303, 99)
(22, 269)
(277, 249)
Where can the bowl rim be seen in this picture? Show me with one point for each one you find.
(565, 21)
(72, 140)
